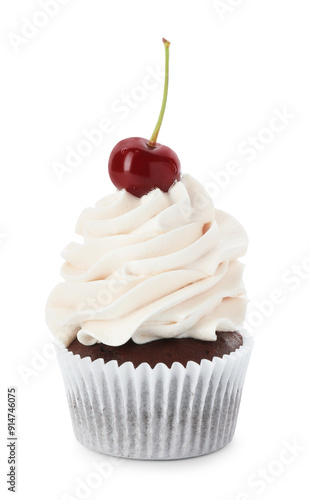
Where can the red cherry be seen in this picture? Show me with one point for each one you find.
(138, 165)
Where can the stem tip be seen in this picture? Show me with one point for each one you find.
(166, 42)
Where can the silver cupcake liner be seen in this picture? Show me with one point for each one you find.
(156, 413)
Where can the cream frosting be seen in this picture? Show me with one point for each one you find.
(164, 265)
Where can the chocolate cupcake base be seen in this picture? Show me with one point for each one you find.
(155, 413)
(166, 351)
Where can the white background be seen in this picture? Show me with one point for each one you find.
(232, 70)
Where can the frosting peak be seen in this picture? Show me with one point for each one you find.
(164, 265)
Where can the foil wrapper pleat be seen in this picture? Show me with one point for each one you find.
(156, 413)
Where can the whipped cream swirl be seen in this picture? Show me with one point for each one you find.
(164, 265)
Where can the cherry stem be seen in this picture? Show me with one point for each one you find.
(153, 138)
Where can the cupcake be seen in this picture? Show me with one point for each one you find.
(148, 320)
